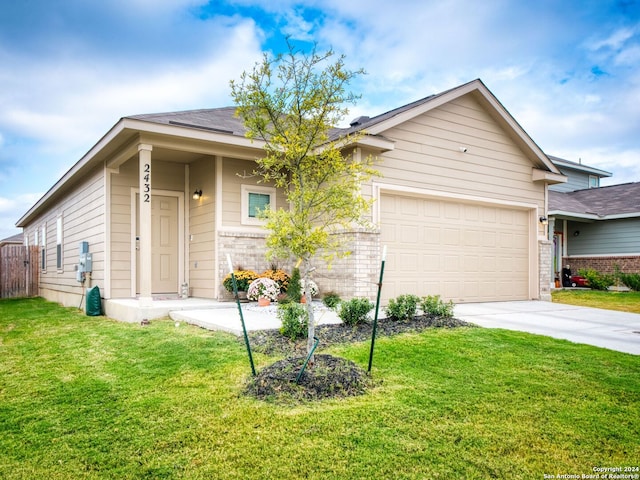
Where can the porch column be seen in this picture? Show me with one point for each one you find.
(144, 274)
(552, 228)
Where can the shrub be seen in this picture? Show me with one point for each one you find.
(331, 300)
(597, 281)
(355, 311)
(434, 305)
(263, 288)
(279, 276)
(294, 320)
(243, 279)
(403, 307)
(631, 280)
(294, 292)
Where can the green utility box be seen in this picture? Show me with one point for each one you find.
(94, 302)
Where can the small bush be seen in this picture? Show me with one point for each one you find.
(294, 320)
(355, 311)
(331, 300)
(631, 280)
(403, 308)
(434, 305)
(597, 280)
(294, 291)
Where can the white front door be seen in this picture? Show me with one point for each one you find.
(164, 244)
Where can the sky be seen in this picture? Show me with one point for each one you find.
(567, 70)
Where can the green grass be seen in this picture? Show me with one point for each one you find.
(622, 301)
(87, 397)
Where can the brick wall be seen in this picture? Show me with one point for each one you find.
(627, 264)
(544, 267)
(354, 275)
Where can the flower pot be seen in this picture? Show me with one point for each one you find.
(264, 302)
(303, 299)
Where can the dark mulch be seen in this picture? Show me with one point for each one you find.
(329, 376)
(271, 342)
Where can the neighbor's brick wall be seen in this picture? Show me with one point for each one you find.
(544, 268)
(627, 264)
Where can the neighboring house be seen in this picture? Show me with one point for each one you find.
(594, 227)
(13, 240)
(459, 206)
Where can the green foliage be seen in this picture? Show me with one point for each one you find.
(631, 280)
(294, 291)
(355, 311)
(434, 305)
(97, 399)
(403, 307)
(597, 280)
(294, 320)
(291, 102)
(331, 300)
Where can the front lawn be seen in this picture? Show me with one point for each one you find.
(87, 397)
(622, 301)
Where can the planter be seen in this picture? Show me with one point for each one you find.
(242, 296)
(264, 302)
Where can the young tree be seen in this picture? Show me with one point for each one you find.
(291, 102)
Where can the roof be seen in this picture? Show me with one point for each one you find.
(564, 163)
(17, 238)
(220, 126)
(614, 201)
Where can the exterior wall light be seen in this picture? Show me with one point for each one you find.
(197, 194)
(544, 220)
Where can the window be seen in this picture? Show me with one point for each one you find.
(59, 243)
(43, 248)
(594, 181)
(254, 200)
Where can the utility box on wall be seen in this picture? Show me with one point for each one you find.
(85, 262)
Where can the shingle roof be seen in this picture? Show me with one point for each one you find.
(602, 201)
(221, 120)
(17, 238)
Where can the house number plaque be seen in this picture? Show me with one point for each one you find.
(146, 186)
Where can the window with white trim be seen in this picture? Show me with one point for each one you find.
(255, 199)
(59, 243)
(594, 181)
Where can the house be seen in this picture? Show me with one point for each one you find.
(162, 199)
(593, 227)
(13, 240)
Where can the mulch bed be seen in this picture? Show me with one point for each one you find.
(329, 376)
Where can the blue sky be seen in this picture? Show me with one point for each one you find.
(568, 71)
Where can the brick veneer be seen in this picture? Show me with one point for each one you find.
(544, 267)
(627, 264)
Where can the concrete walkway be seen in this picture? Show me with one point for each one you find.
(602, 328)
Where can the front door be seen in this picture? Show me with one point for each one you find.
(164, 244)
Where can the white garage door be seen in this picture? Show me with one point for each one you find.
(464, 252)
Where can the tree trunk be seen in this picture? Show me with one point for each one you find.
(312, 324)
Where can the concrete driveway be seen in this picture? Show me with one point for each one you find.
(603, 328)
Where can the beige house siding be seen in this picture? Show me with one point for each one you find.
(427, 155)
(82, 213)
(201, 264)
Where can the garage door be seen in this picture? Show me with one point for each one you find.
(464, 252)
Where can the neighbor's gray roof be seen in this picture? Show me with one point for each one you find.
(602, 201)
(564, 163)
(17, 238)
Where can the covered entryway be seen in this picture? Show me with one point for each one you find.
(164, 244)
(463, 251)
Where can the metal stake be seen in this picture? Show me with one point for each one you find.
(375, 319)
(244, 328)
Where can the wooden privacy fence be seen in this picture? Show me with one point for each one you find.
(19, 272)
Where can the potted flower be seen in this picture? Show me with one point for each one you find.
(309, 287)
(264, 290)
(243, 280)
